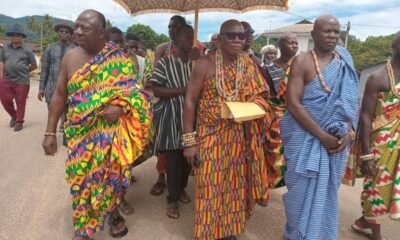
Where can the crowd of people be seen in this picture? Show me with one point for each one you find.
(118, 107)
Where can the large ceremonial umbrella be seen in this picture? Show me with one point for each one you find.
(138, 7)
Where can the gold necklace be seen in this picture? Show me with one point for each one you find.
(220, 75)
(392, 79)
(320, 76)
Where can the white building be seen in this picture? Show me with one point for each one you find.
(301, 29)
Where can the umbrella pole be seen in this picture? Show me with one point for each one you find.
(196, 22)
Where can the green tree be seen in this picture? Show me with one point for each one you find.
(43, 27)
(148, 35)
(2, 30)
(262, 41)
(372, 51)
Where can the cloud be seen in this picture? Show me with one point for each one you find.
(359, 12)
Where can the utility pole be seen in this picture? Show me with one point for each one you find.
(347, 35)
(41, 38)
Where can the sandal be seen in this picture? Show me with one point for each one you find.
(362, 231)
(157, 189)
(114, 223)
(125, 208)
(184, 197)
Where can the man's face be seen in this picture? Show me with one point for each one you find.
(142, 50)
(117, 38)
(185, 40)
(327, 35)
(232, 39)
(173, 26)
(249, 36)
(214, 42)
(289, 46)
(64, 34)
(132, 45)
(16, 38)
(271, 54)
(87, 31)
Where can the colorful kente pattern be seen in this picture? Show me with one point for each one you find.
(380, 198)
(276, 165)
(99, 153)
(227, 182)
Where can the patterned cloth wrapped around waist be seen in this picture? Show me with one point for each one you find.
(108, 80)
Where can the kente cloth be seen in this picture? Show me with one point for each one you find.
(227, 182)
(380, 199)
(275, 161)
(99, 153)
(313, 176)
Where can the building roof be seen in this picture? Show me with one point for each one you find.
(303, 27)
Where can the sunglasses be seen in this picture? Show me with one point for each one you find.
(234, 35)
(64, 31)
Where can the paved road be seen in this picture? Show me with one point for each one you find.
(35, 203)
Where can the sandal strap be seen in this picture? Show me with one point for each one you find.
(117, 221)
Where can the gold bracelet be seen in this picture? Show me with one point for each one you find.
(352, 134)
(367, 157)
(49, 134)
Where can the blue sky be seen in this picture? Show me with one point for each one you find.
(381, 18)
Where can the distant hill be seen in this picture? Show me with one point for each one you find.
(8, 22)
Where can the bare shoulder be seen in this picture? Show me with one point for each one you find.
(302, 60)
(206, 65)
(73, 60)
(378, 81)
(162, 46)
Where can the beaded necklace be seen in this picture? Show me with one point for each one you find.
(392, 79)
(220, 75)
(318, 70)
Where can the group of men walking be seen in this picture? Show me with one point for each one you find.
(118, 105)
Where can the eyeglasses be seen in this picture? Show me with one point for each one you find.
(234, 35)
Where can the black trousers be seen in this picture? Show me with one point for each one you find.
(178, 171)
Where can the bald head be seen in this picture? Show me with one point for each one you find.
(396, 45)
(228, 25)
(326, 33)
(325, 20)
(287, 36)
(97, 17)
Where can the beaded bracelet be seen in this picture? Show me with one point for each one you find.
(367, 157)
(49, 134)
(189, 139)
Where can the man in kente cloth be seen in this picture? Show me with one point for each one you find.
(229, 159)
(107, 126)
(317, 129)
(169, 82)
(379, 147)
(277, 74)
